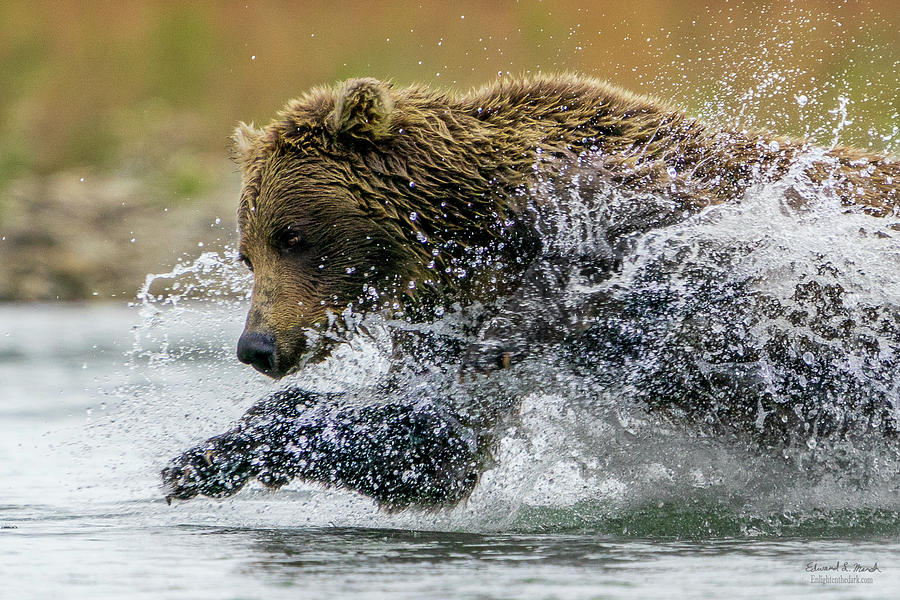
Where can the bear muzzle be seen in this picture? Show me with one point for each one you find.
(258, 349)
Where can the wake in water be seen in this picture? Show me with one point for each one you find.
(738, 364)
(687, 297)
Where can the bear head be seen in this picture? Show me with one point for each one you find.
(359, 196)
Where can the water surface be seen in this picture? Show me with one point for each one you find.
(86, 424)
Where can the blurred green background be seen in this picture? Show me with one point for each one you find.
(114, 116)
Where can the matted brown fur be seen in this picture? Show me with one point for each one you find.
(388, 187)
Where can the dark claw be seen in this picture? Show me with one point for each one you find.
(487, 357)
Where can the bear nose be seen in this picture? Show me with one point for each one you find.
(257, 349)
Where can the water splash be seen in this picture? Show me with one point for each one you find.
(786, 291)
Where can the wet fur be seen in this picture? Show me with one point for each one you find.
(396, 189)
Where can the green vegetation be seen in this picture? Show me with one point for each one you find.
(146, 93)
(73, 73)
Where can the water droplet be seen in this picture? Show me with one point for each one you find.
(413, 216)
(350, 270)
(808, 358)
(672, 172)
(801, 100)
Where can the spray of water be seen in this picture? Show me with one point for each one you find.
(785, 297)
(736, 372)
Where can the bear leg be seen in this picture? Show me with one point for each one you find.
(402, 453)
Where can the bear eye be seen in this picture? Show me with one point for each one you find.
(290, 240)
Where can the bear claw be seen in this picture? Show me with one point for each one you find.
(483, 359)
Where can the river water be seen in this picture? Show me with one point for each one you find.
(97, 398)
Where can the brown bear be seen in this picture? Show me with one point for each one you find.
(365, 198)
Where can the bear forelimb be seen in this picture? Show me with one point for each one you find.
(401, 453)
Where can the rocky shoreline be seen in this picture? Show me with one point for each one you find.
(70, 237)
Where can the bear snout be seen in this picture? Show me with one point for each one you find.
(258, 349)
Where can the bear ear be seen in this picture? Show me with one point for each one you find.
(362, 110)
(242, 141)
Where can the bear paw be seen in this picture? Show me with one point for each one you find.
(217, 468)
